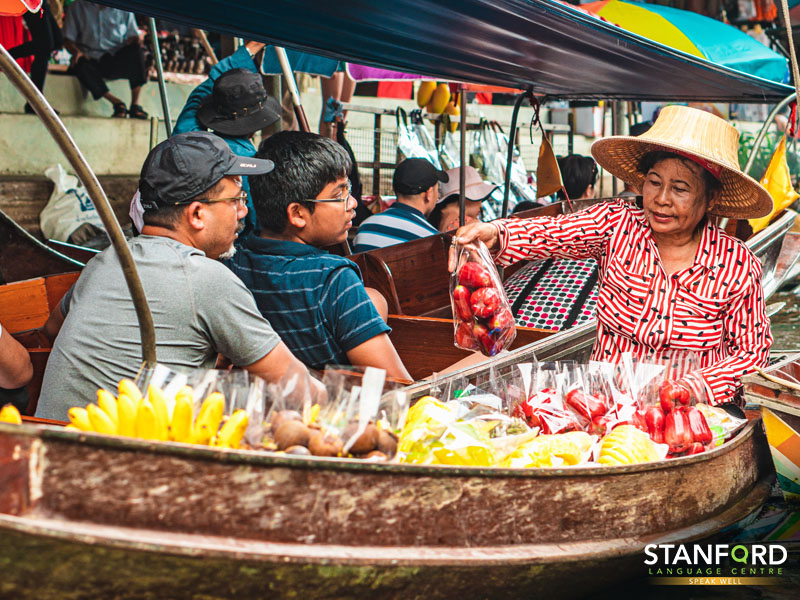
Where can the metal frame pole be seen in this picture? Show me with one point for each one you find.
(462, 172)
(286, 68)
(84, 172)
(512, 137)
(162, 87)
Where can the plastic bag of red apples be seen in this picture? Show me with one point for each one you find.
(482, 317)
(597, 397)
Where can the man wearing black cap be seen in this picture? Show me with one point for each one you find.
(416, 183)
(232, 103)
(191, 192)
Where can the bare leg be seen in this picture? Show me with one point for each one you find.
(112, 98)
(330, 86)
(379, 301)
(135, 94)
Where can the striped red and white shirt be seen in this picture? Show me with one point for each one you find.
(714, 308)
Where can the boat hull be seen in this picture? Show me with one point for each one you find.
(124, 516)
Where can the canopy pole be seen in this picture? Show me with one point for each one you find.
(160, 70)
(84, 172)
(206, 45)
(512, 136)
(764, 128)
(302, 120)
(462, 172)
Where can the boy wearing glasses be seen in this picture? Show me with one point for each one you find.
(191, 192)
(315, 300)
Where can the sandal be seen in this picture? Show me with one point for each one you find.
(120, 111)
(137, 112)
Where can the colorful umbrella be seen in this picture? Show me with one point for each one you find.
(13, 8)
(694, 34)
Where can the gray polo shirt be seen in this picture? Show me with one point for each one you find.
(199, 309)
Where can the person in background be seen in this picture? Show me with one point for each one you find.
(416, 184)
(46, 37)
(525, 205)
(105, 44)
(315, 300)
(340, 87)
(579, 174)
(232, 103)
(445, 215)
(192, 196)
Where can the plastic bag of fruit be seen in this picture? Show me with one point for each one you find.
(358, 416)
(482, 317)
(545, 406)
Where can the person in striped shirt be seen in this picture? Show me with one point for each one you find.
(670, 279)
(316, 301)
(416, 183)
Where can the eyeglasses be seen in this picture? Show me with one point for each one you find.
(344, 198)
(239, 200)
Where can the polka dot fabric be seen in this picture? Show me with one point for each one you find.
(558, 287)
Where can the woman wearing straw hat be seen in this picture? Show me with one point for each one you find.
(670, 279)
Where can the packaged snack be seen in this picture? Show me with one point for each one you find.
(482, 317)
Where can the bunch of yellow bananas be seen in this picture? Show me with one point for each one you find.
(132, 414)
(10, 414)
(626, 445)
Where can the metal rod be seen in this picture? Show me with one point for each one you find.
(512, 136)
(302, 120)
(761, 134)
(462, 171)
(84, 172)
(160, 71)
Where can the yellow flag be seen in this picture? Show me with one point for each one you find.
(778, 182)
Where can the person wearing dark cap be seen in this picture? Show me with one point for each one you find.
(232, 103)
(191, 192)
(316, 301)
(416, 183)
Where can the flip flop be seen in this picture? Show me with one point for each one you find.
(137, 112)
(120, 111)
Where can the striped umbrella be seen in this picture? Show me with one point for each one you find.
(694, 34)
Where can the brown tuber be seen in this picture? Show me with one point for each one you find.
(281, 416)
(291, 433)
(366, 442)
(387, 443)
(322, 444)
(376, 456)
(298, 451)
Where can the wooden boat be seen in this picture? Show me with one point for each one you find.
(779, 399)
(123, 518)
(22, 256)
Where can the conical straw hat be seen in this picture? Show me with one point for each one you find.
(696, 133)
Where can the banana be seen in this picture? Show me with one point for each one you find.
(156, 397)
(180, 429)
(126, 413)
(208, 419)
(107, 402)
(80, 418)
(100, 421)
(232, 432)
(146, 421)
(10, 414)
(425, 92)
(126, 386)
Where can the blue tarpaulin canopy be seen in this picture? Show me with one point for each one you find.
(558, 50)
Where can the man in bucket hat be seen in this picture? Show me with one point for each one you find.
(672, 284)
(192, 195)
(233, 103)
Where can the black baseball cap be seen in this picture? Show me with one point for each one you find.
(416, 175)
(187, 164)
(238, 105)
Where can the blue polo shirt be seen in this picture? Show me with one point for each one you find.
(316, 301)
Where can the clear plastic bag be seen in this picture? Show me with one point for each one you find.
(482, 317)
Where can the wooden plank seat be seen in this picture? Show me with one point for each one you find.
(24, 309)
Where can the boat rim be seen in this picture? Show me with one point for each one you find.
(271, 459)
